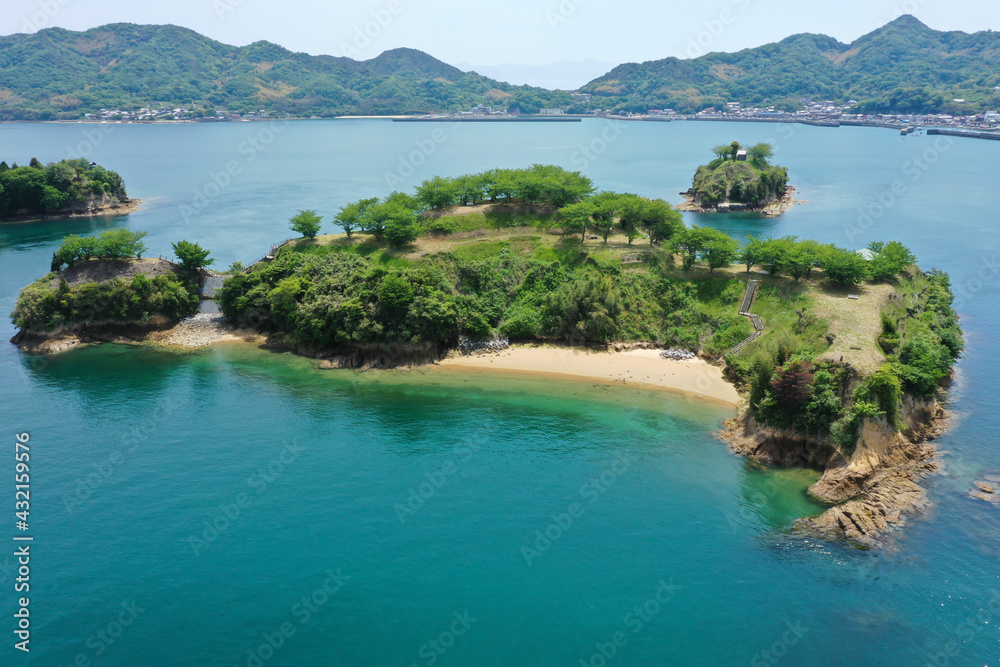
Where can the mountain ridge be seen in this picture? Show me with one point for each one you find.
(901, 67)
(58, 73)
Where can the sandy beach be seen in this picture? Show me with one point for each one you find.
(637, 368)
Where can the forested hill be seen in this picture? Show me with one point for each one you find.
(58, 73)
(903, 67)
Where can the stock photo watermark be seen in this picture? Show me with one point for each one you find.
(435, 648)
(365, 35)
(591, 492)
(410, 162)
(714, 28)
(100, 472)
(971, 627)
(227, 514)
(42, 17)
(219, 180)
(774, 653)
(634, 621)
(435, 480)
(586, 154)
(914, 168)
(101, 640)
(985, 274)
(301, 612)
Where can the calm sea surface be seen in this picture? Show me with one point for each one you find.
(239, 507)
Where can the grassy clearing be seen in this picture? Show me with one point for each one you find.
(855, 323)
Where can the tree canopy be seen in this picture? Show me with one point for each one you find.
(307, 223)
(59, 187)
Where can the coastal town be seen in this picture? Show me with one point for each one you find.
(825, 113)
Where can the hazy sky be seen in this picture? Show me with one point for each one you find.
(532, 32)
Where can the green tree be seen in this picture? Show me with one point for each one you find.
(119, 244)
(889, 259)
(662, 220)
(401, 227)
(760, 153)
(191, 255)
(844, 267)
(606, 208)
(577, 218)
(718, 248)
(377, 218)
(351, 216)
(721, 151)
(437, 192)
(631, 212)
(733, 149)
(306, 223)
(689, 242)
(752, 252)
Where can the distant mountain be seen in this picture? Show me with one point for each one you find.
(57, 73)
(903, 67)
(563, 75)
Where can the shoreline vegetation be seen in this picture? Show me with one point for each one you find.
(65, 189)
(770, 210)
(847, 377)
(740, 179)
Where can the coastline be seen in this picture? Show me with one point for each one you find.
(641, 368)
(868, 491)
(123, 208)
(771, 210)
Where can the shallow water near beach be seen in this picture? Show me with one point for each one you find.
(235, 506)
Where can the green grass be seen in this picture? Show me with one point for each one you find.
(369, 248)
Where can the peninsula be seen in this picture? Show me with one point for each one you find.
(840, 357)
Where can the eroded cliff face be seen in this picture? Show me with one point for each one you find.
(67, 338)
(871, 488)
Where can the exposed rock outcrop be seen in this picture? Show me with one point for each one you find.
(61, 340)
(870, 489)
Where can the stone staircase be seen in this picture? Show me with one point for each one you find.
(755, 319)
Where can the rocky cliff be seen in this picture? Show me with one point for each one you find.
(871, 488)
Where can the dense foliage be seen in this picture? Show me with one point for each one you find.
(524, 292)
(903, 67)
(51, 303)
(794, 258)
(57, 73)
(754, 182)
(921, 338)
(63, 186)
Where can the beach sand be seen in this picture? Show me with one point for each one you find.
(635, 368)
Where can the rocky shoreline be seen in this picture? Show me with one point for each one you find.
(123, 207)
(870, 490)
(770, 210)
(54, 342)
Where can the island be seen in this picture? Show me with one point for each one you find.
(102, 289)
(740, 179)
(835, 359)
(67, 188)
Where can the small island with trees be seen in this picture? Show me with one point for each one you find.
(740, 179)
(61, 189)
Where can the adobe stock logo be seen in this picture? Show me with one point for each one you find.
(47, 10)
(369, 32)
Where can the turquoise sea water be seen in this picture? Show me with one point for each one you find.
(238, 507)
